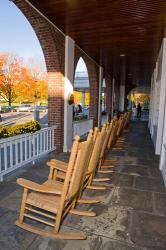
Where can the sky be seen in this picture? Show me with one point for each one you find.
(17, 35)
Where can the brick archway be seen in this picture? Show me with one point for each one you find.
(52, 42)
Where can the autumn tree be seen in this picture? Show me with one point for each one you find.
(21, 83)
(10, 75)
(37, 70)
(37, 67)
(24, 89)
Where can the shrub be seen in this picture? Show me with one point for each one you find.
(29, 127)
(3, 132)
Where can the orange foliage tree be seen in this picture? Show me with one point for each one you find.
(19, 83)
(10, 75)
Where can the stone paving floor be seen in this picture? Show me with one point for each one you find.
(131, 215)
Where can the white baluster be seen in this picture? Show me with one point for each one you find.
(5, 155)
(38, 152)
(16, 152)
(30, 147)
(21, 150)
(26, 148)
(11, 153)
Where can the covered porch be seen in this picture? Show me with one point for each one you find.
(123, 44)
(131, 214)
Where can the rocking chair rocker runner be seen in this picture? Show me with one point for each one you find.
(48, 205)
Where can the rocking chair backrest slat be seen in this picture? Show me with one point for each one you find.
(95, 154)
(80, 167)
(106, 139)
(104, 133)
(112, 134)
(125, 117)
(92, 136)
(120, 124)
(71, 164)
(96, 131)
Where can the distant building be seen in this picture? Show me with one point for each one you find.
(81, 81)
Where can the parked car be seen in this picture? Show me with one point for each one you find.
(25, 108)
(6, 109)
(42, 108)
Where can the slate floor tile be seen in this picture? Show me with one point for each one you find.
(93, 242)
(120, 179)
(151, 184)
(7, 188)
(11, 236)
(137, 199)
(135, 170)
(149, 231)
(160, 203)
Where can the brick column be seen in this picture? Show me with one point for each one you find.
(56, 105)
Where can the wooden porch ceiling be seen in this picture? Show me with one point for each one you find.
(106, 29)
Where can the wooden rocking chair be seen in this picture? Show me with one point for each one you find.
(116, 126)
(89, 176)
(50, 204)
(58, 169)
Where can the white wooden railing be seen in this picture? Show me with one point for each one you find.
(19, 150)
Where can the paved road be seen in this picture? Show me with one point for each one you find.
(14, 118)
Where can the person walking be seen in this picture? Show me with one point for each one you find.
(139, 109)
(79, 109)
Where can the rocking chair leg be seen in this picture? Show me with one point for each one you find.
(101, 179)
(82, 201)
(115, 148)
(110, 166)
(105, 171)
(23, 204)
(82, 213)
(97, 187)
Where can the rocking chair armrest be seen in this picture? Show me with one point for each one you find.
(37, 187)
(58, 162)
(57, 166)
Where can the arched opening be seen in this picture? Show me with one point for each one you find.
(22, 58)
(81, 91)
(52, 44)
(141, 96)
(104, 117)
(104, 96)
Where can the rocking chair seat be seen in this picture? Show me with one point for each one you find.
(47, 202)
(54, 185)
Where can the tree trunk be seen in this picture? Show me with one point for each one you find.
(10, 102)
